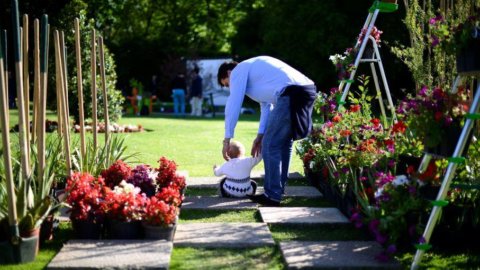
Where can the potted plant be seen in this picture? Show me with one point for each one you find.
(85, 195)
(435, 116)
(161, 213)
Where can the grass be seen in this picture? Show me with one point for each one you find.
(200, 215)
(203, 258)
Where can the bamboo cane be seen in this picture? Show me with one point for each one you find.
(19, 82)
(36, 78)
(104, 88)
(60, 89)
(26, 78)
(65, 77)
(93, 62)
(12, 210)
(42, 96)
(3, 40)
(83, 148)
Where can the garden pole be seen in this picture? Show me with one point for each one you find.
(19, 83)
(65, 77)
(3, 41)
(104, 88)
(42, 96)
(36, 78)
(26, 79)
(61, 97)
(12, 211)
(78, 53)
(448, 177)
(93, 66)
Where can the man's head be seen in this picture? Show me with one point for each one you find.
(223, 75)
(236, 149)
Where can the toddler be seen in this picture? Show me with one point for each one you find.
(237, 182)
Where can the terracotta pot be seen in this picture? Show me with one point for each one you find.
(31, 234)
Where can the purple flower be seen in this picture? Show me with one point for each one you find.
(142, 177)
(423, 91)
(435, 41)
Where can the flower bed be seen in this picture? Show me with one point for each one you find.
(124, 196)
(114, 128)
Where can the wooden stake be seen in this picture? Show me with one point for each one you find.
(3, 40)
(93, 61)
(26, 78)
(61, 91)
(12, 210)
(78, 53)
(65, 77)
(104, 88)
(36, 78)
(42, 97)
(19, 82)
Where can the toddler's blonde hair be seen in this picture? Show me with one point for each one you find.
(236, 149)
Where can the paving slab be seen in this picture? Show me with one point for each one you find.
(217, 202)
(213, 181)
(223, 235)
(298, 191)
(334, 255)
(113, 254)
(302, 215)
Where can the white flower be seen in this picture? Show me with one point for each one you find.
(312, 165)
(400, 180)
(152, 174)
(336, 58)
(379, 192)
(125, 187)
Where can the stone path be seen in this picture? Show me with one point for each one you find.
(113, 254)
(297, 254)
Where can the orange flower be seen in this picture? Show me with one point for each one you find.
(345, 133)
(337, 118)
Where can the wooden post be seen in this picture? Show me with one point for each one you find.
(36, 78)
(12, 210)
(60, 89)
(104, 88)
(26, 78)
(24, 151)
(93, 61)
(3, 40)
(42, 97)
(78, 53)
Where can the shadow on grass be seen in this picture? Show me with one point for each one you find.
(316, 232)
(202, 215)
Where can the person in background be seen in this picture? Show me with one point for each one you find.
(237, 182)
(286, 99)
(179, 86)
(152, 94)
(196, 93)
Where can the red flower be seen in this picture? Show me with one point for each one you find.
(85, 197)
(355, 108)
(438, 116)
(399, 127)
(375, 122)
(116, 173)
(159, 213)
(345, 133)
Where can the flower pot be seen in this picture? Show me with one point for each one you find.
(46, 230)
(446, 147)
(25, 251)
(86, 229)
(468, 59)
(159, 232)
(32, 233)
(124, 229)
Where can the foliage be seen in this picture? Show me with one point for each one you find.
(65, 22)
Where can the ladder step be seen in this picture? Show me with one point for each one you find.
(383, 7)
(440, 203)
(473, 116)
(424, 247)
(456, 160)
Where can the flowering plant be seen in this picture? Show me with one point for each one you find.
(143, 176)
(344, 63)
(167, 175)
(117, 172)
(159, 212)
(85, 197)
(431, 112)
(125, 202)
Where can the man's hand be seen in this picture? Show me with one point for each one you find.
(226, 145)
(257, 145)
(215, 167)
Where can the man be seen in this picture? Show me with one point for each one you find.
(286, 99)
(196, 93)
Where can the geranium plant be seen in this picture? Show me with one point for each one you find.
(124, 203)
(85, 195)
(159, 212)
